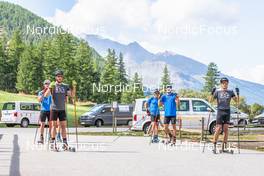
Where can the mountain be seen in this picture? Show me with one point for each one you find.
(185, 72)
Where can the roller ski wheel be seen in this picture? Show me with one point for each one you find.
(53, 147)
(227, 151)
(66, 147)
(41, 141)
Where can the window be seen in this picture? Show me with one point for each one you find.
(184, 105)
(199, 106)
(106, 110)
(9, 106)
(143, 106)
(26, 106)
(36, 107)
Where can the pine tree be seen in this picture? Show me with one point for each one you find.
(109, 77)
(122, 76)
(14, 50)
(29, 75)
(2, 65)
(165, 80)
(135, 91)
(85, 71)
(211, 78)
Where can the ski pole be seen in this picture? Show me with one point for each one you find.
(66, 107)
(238, 132)
(74, 83)
(207, 126)
(36, 132)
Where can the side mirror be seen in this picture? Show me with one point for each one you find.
(103, 111)
(209, 109)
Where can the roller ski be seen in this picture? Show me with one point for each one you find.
(53, 146)
(41, 140)
(154, 139)
(225, 149)
(66, 147)
(168, 141)
(173, 143)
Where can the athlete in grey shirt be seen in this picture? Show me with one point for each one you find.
(223, 97)
(59, 92)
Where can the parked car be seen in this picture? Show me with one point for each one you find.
(191, 110)
(259, 120)
(102, 114)
(22, 113)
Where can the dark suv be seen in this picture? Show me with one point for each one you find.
(102, 114)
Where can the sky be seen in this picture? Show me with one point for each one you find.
(227, 32)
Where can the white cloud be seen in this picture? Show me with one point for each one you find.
(148, 21)
(253, 74)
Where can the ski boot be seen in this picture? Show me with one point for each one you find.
(169, 140)
(155, 139)
(225, 150)
(66, 147)
(58, 137)
(214, 149)
(41, 140)
(53, 145)
(173, 141)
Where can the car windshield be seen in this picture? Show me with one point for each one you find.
(96, 108)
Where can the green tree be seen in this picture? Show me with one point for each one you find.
(14, 50)
(29, 75)
(109, 77)
(2, 64)
(165, 79)
(85, 71)
(256, 109)
(121, 74)
(211, 77)
(135, 91)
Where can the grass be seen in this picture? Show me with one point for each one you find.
(81, 107)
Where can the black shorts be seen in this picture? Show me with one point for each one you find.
(58, 114)
(168, 119)
(223, 116)
(44, 115)
(155, 118)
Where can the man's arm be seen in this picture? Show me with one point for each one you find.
(212, 97)
(40, 97)
(177, 100)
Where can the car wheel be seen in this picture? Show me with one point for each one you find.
(86, 125)
(242, 122)
(129, 123)
(212, 128)
(146, 127)
(24, 123)
(10, 125)
(98, 123)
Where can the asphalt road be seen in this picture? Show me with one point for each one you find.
(124, 156)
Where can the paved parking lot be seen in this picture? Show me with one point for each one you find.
(103, 155)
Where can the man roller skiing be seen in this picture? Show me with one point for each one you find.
(59, 92)
(170, 100)
(152, 106)
(45, 100)
(223, 97)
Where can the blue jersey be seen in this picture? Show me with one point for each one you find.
(153, 106)
(169, 104)
(46, 102)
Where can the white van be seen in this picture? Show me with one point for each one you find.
(191, 111)
(22, 113)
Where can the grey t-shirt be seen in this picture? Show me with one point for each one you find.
(223, 98)
(59, 95)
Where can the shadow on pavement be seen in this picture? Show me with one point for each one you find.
(15, 159)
